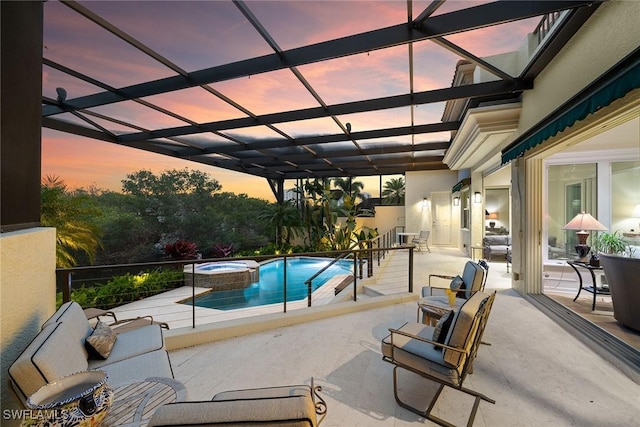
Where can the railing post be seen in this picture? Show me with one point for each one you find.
(355, 276)
(411, 269)
(66, 290)
(193, 295)
(285, 283)
(369, 258)
(309, 294)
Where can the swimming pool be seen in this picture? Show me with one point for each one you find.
(270, 287)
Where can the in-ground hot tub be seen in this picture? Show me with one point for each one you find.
(223, 275)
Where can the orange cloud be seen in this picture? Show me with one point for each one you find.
(82, 162)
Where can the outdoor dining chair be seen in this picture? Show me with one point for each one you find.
(422, 239)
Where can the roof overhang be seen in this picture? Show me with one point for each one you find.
(484, 132)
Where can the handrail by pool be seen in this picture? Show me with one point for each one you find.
(97, 277)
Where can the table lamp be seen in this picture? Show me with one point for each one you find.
(492, 219)
(584, 222)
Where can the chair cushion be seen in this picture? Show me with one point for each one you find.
(76, 322)
(462, 332)
(277, 406)
(100, 343)
(473, 276)
(497, 240)
(51, 355)
(133, 343)
(153, 364)
(419, 355)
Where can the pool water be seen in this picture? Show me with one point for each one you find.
(270, 288)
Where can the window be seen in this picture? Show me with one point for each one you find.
(571, 189)
(464, 206)
(625, 196)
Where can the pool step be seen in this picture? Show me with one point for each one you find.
(326, 293)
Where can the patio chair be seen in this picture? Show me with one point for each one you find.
(417, 348)
(274, 406)
(473, 279)
(422, 238)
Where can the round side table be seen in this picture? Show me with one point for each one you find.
(135, 403)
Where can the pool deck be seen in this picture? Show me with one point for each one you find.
(537, 372)
(168, 307)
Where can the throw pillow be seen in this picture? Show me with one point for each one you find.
(458, 284)
(100, 343)
(442, 327)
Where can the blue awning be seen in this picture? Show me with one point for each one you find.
(612, 85)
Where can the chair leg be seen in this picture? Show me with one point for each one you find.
(427, 413)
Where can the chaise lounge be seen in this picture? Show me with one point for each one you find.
(59, 350)
(294, 406)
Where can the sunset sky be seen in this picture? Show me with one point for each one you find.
(202, 34)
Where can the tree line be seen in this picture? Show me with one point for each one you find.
(184, 214)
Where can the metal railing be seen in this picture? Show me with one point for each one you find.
(544, 26)
(172, 289)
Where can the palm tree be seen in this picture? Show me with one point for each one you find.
(69, 214)
(350, 188)
(393, 192)
(286, 220)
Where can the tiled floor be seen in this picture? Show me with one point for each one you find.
(537, 372)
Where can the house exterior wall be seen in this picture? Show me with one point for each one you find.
(606, 38)
(27, 294)
(420, 185)
(387, 218)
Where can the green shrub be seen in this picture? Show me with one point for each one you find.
(127, 288)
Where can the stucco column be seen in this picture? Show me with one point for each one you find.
(21, 113)
(477, 209)
(526, 207)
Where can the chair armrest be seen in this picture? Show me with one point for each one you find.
(424, 340)
(95, 313)
(438, 276)
(136, 322)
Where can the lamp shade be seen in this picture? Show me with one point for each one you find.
(493, 215)
(584, 222)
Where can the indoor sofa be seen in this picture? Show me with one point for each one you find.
(59, 350)
(496, 245)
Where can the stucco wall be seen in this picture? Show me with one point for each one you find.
(387, 218)
(420, 185)
(27, 294)
(607, 37)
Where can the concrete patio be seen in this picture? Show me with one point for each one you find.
(537, 372)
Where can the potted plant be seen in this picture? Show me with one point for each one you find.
(609, 243)
(622, 271)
